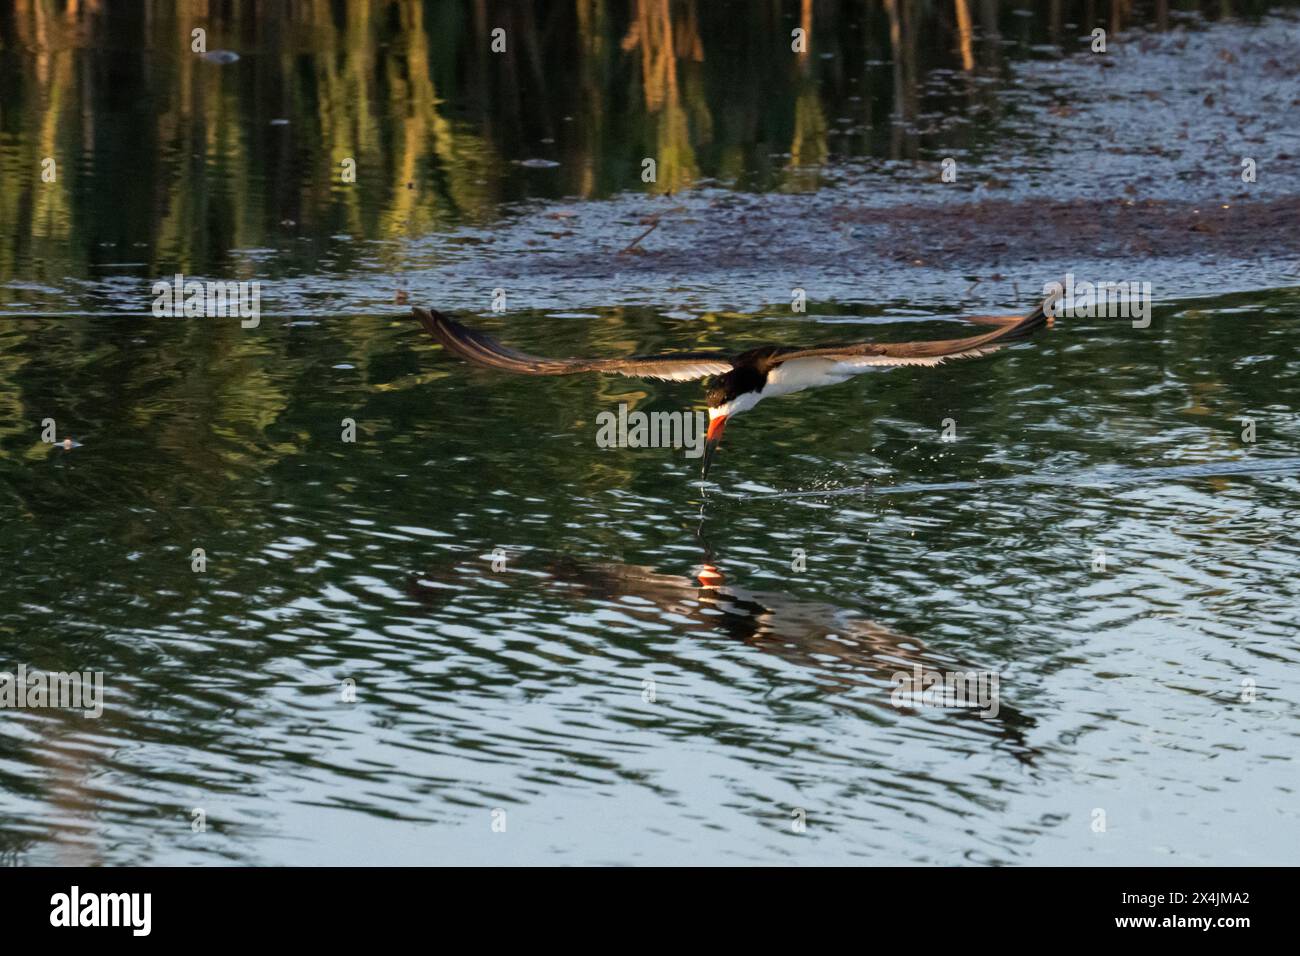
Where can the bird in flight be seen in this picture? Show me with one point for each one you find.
(735, 383)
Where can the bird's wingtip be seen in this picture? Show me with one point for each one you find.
(434, 321)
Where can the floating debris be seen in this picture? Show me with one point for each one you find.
(653, 223)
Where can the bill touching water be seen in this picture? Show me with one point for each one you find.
(1003, 571)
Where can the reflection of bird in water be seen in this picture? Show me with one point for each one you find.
(844, 649)
(819, 636)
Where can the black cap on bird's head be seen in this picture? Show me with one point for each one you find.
(715, 390)
(722, 389)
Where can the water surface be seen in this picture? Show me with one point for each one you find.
(501, 593)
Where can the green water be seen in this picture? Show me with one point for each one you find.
(515, 608)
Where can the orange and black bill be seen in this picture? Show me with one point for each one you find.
(711, 442)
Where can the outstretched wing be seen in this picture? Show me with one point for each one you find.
(486, 351)
(863, 355)
(795, 369)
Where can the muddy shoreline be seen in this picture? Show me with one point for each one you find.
(1124, 166)
(745, 256)
(971, 235)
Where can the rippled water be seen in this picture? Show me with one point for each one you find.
(520, 685)
(518, 611)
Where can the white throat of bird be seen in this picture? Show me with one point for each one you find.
(741, 403)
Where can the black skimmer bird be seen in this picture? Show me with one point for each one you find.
(736, 383)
